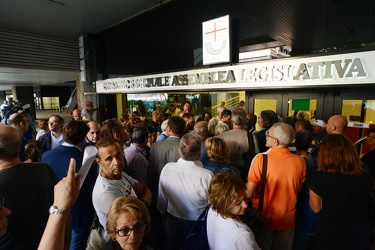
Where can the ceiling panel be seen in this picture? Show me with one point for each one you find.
(303, 25)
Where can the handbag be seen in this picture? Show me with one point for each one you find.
(252, 216)
(371, 197)
(197, 237)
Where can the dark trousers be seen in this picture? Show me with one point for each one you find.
(176, 230)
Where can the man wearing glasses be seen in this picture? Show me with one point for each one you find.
(285, 175)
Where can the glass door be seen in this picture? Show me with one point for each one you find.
(287, 104)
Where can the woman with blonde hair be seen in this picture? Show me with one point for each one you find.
(227, 196)
(217, 150)
(128, 220)
(339, 194)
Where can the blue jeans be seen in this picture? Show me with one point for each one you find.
(80, 235)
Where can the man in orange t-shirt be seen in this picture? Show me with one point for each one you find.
(285, 175)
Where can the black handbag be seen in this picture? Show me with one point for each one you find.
(252, 216)
(197, 237)
(371, 197)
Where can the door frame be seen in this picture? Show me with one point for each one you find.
(282, 98)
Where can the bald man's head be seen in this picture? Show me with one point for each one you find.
(94, 133)
(336, 124)
(10, 142)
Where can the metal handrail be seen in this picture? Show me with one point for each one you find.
(360, 140)
(230, 104)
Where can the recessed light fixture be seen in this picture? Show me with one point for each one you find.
(55, 2)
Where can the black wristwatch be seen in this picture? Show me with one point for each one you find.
(55, 210)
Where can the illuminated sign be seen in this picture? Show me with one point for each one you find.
(358, 125)
(314, 71)
(216, 40)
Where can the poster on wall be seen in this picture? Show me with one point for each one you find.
(216, 40)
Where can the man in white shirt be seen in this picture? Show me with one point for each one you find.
(183, 187)
(55, 137)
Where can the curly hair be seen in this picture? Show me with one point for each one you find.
(226, 190)
(127, 204)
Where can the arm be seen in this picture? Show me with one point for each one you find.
(315, 202)
(143, 193)
(65, 193)
(250, 189)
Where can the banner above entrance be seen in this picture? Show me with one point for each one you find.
(333, 70)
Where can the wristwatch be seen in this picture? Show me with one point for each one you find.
(55, 210)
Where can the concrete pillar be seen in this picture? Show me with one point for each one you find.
(86, 90)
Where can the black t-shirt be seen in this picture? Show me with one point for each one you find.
(369, 160)
(344, 197)
(28, 192)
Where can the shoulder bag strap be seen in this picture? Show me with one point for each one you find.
(250, 142)
(263, 183)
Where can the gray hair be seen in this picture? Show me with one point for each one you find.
(201, 129)
(239, 116)
(284, 133)
(221, 127)
(190, 147)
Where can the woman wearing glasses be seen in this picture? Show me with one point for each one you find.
(128, 220)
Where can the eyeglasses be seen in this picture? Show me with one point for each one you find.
(268, 135)
(126, 231)
(2, 202)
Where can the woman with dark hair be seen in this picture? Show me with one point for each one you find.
(33, 151)
(227, 196)
(265, 121)
(128, 220)
(339, 194)
(207, 116)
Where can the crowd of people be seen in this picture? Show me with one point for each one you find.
(152, 178)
